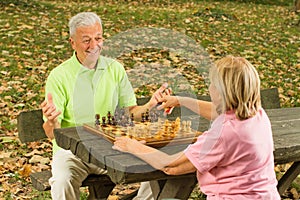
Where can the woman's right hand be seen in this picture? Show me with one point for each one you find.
(169, 102)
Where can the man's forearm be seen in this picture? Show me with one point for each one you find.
(137, 111)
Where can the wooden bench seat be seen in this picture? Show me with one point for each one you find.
(41, 183)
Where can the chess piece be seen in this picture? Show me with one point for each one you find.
(117, 115)
(132, 117)
(97, 121)
(109, 118)
(113, 121)
(103, 121)
(123, 120)
(147, 116)
(188, 125)
(131, 123)
(184, 126)
(143, 117)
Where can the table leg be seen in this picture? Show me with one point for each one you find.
(179, 188)
(289, 176)
(100, 191)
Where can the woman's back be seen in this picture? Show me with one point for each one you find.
(235, 157)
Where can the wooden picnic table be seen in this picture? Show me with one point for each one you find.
(124, 168)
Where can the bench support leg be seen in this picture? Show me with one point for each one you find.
(290, 175)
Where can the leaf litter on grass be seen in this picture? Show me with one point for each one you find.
(34, 40)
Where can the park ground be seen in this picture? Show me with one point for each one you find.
(34, 40)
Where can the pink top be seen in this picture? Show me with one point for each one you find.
(234, 159)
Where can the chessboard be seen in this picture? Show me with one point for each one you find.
(157, 133)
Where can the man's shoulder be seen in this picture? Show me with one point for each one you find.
(107, 62)
(64, 71)
(64, 67)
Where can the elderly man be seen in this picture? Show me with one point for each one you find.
(84, 85)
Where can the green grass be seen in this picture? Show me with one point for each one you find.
(34, 40)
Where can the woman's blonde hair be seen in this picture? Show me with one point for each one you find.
(238, 85)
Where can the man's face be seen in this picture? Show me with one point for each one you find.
(87, 42)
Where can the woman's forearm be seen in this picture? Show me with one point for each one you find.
(154, 157)
(202, 108)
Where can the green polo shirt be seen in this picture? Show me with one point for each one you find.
(80, 93)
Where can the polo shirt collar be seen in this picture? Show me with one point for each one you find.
(101, 65)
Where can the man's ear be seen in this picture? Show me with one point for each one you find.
(71, 40)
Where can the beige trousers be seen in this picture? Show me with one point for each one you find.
(68, 173)
(147, 191)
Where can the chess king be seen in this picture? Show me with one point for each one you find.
(82, 86)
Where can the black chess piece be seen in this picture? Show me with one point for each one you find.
(97, 121)
(147, 116)
(103, 121)
(132, 117)
(143, 117)
(131, 123)
(113, 121)
(154, 116)
(109, 118)
(123, 120)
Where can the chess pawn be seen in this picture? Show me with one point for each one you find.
(183, 126)
(170, 130)
(174, 128)
(166, 125)
(113, 121)
(166, 128)
(147, 115)
(188, 125)
(132, 117)
(153, 117)
(143, 117)
(131, 123)
(177, 123)
(103, 121)
(123, 120)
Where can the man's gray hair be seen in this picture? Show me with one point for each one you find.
(83, 19)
